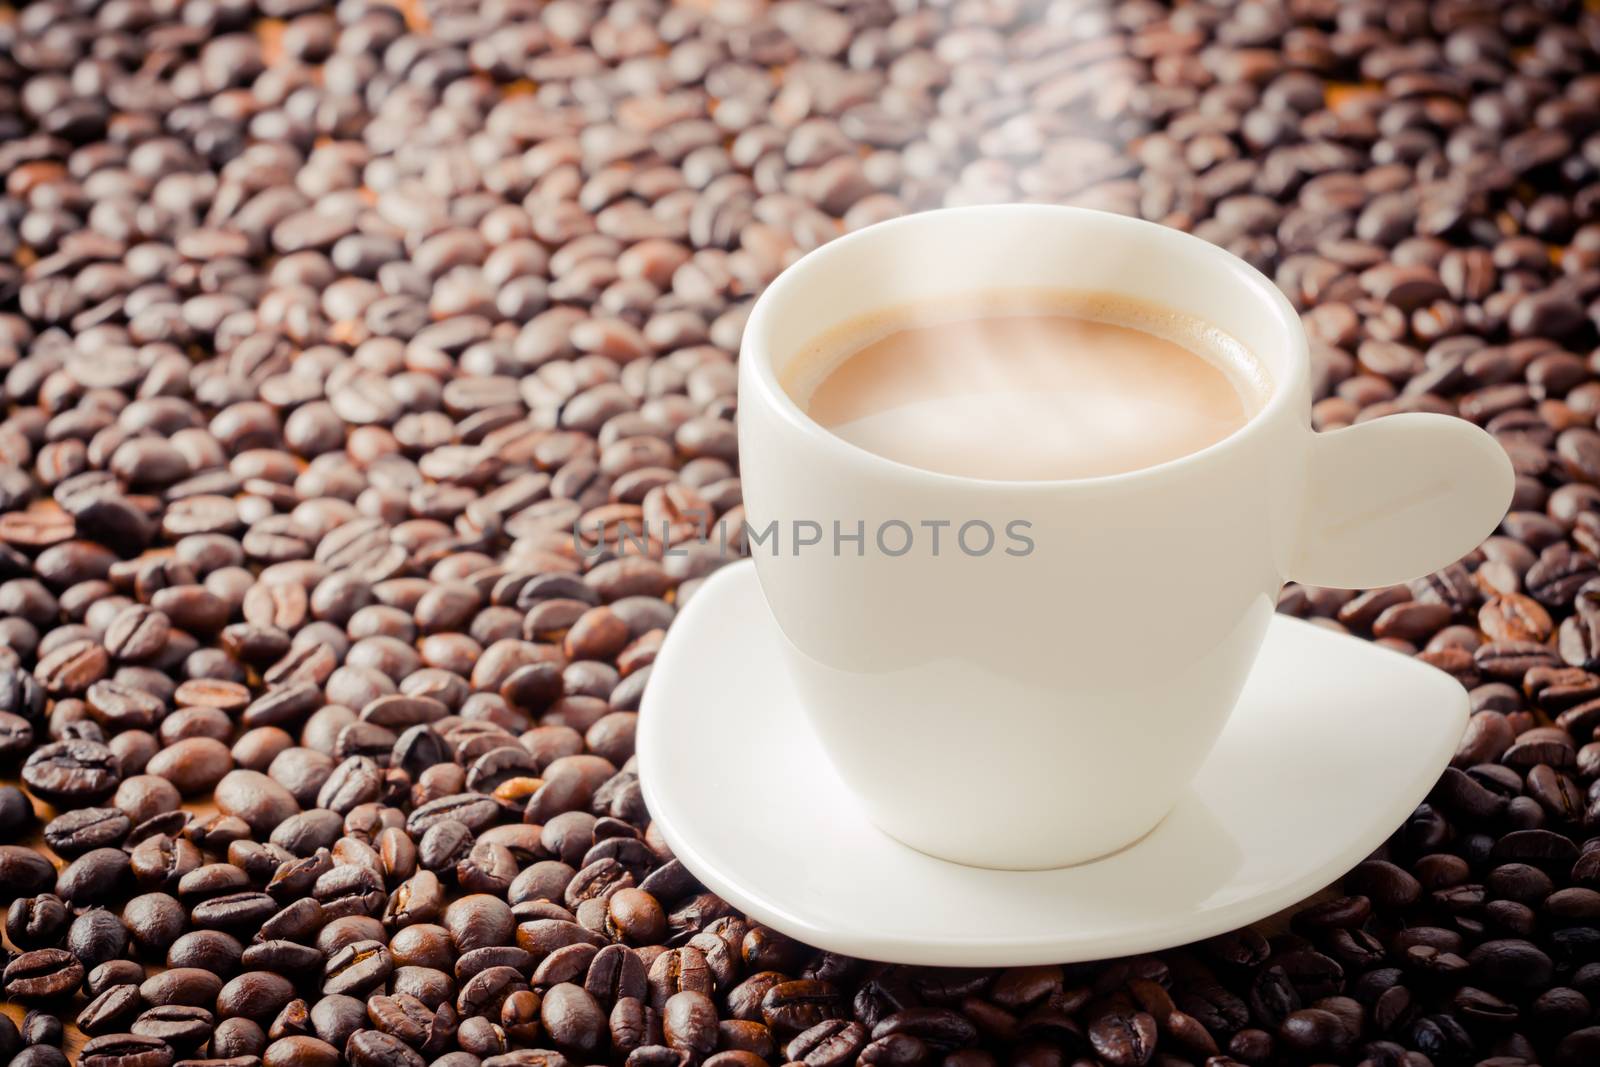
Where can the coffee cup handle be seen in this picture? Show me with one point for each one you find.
(1397, 498)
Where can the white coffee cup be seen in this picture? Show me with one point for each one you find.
(1047, 707)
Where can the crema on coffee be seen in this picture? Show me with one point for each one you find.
(1028, 386)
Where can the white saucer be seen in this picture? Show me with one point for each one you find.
(1333, 744)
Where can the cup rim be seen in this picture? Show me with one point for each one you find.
(758, 370)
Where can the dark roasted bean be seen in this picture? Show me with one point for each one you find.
(125, 1050)
(42, 974)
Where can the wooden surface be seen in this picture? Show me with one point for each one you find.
(69, 1010)
(74, 1037)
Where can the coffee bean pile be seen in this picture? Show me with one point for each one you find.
(320, 325)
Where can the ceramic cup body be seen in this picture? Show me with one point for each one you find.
(1046, 700)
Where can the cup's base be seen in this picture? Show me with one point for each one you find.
(1270, 818)
(997, 809)
(990, 861)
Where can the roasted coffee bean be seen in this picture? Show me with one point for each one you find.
(42, 974)
(334, 1018)
(36, 922)
(137, 632)
(940, 1028)
(572, 1019)
(1389, 887)
(97, 875)
(125, 1050)
(40, 1056)
(519, 1016)
(10, 1039)
(1312, 1030)
(616, 973)
(485, 992)
(1535, 846)
(161, 862)
(72, 773)
(261, 802)
(827, 1043)
(110, 973)
(297, 1049)
(256, 995)
(350, 890)
(543, 936)
(111, 1011)
(357, 967)
(374, 1048)
(72, 833)
(689, 1023)
(563, 965)
(16, 810)
(72, 667)
(208, 950)
(293, 1020)
(1123, 1038)
(444, 845)
(475, 813)
(405, 1017)
(285, 957)
(487, 868)
(193, 764)
(42, 1029)
(233, 911)
(1476, 1005)
(632, 1025)
(895, 1050)
(796, 1006)
(479, 920)
(177, 1025)
(24, 872)
(677, 970)
(1510, 964)
(190, 986)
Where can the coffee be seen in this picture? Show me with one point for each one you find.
(1023, 387)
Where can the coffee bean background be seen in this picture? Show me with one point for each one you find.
(320, 324)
